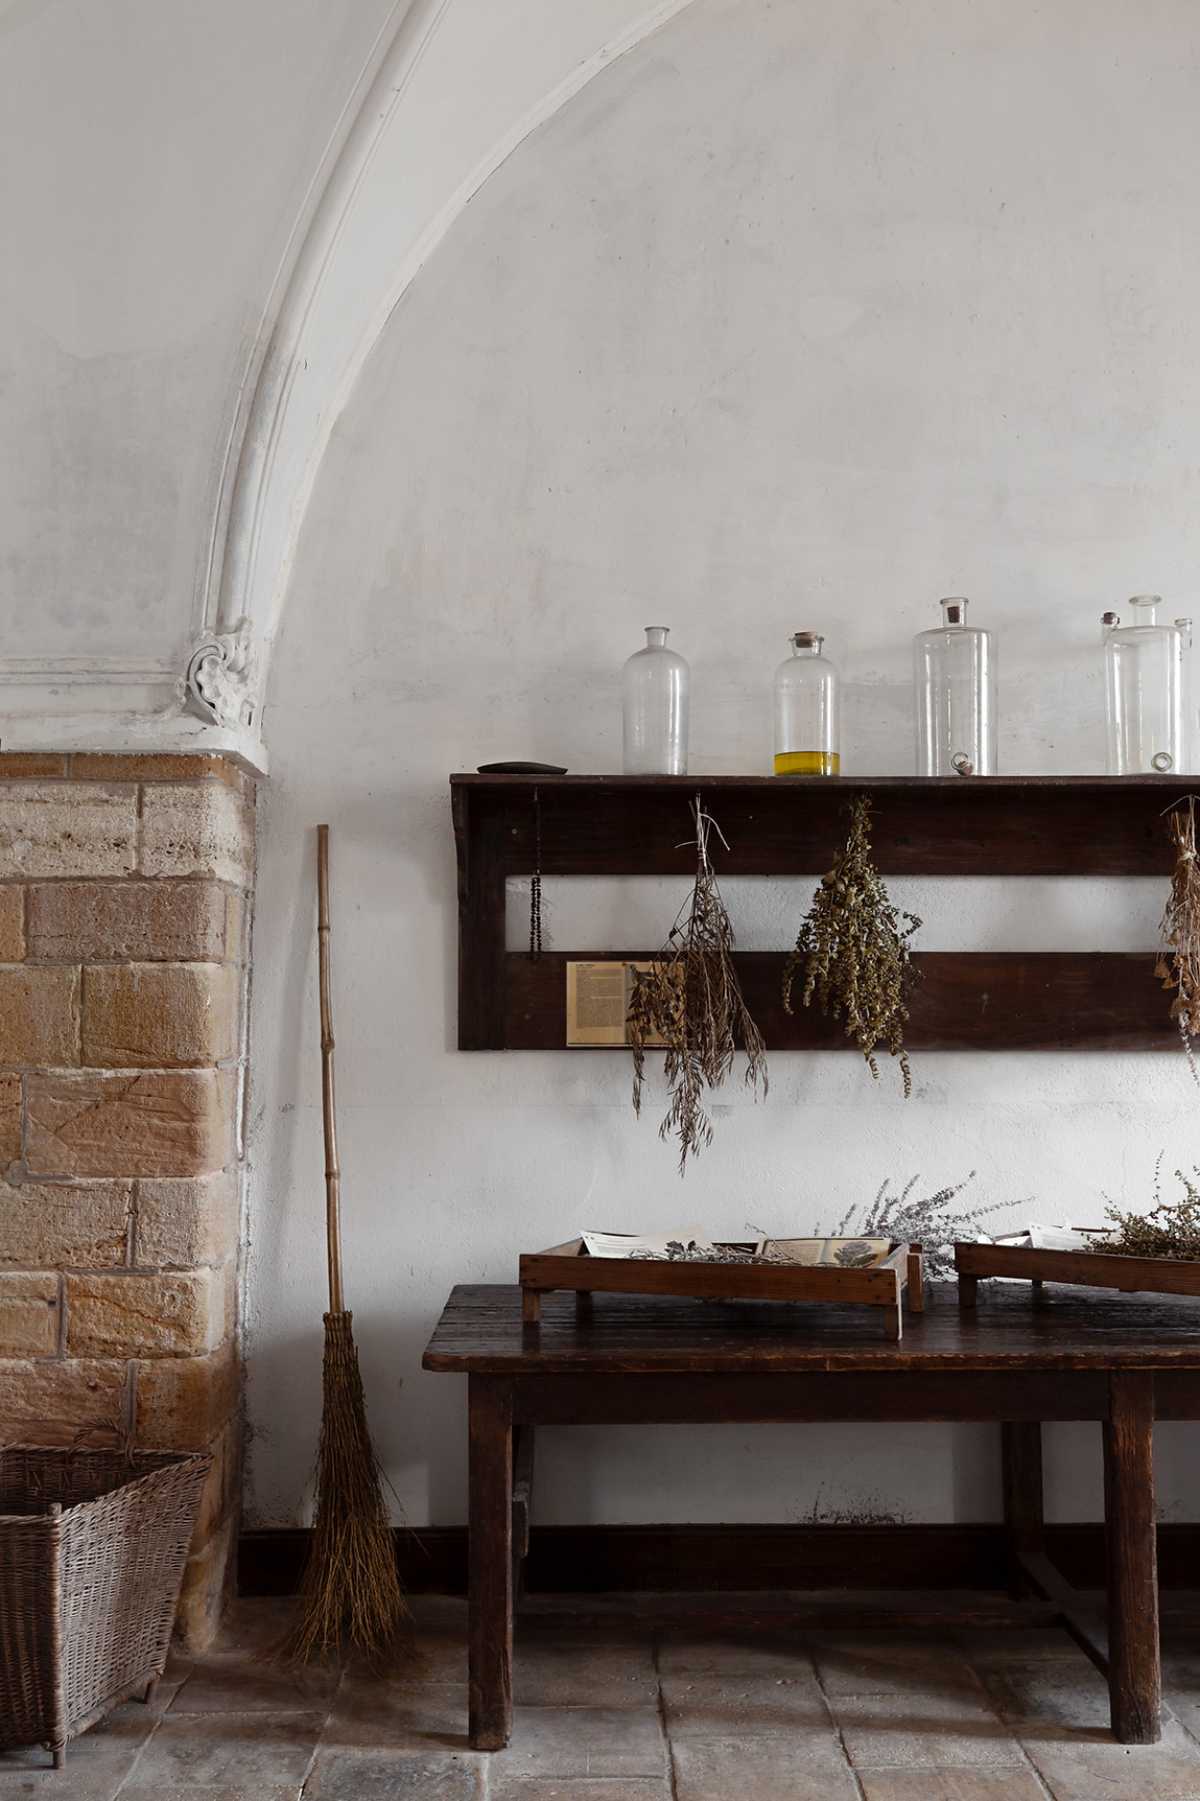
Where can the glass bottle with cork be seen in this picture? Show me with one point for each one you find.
(954, 678)
(654, 708)
(807, 710)
(1145, 689)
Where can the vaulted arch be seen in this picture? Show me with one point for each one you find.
(462, 83)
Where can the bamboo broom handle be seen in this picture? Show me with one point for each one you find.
(333, 1174)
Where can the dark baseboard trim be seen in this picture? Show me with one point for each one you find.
(690, 1559)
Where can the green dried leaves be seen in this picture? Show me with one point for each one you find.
(852, 951)
(1178, 966)
(690, 1002)
(1170, 1229)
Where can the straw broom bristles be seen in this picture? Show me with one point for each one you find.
(351, 1594)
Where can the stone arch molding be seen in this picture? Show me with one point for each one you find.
(460, 85)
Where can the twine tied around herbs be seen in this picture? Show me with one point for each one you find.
(690, 1003)
(1178, 964)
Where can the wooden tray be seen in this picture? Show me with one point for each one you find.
(1085, 1269)
(568, 1266)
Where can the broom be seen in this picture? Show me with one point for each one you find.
(351, 1593)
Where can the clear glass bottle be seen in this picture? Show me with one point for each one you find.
(1144, 690)
(954, 677)
(806, 710)
(654, 704)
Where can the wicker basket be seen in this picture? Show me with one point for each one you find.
(92, 1549)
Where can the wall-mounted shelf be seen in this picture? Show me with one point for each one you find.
(924, 825)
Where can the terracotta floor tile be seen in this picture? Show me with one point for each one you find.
(584, 1788)
(249, 1750)
(561, 1673)
(920, 1730)
(1091, 1766)
(98, 1761)
(245, 1682)
(369, 1712)
(388, 1775)
(583, 1741)
(808, 1768)
(733, 1654)
(743, 1706)
(889, 1663)
(951, 1785)
(1052, 1697)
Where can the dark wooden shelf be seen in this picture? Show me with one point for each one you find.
(794, 825)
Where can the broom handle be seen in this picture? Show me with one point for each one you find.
(333, 1174)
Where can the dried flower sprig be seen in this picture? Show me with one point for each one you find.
(852, 950)
(931, 1221)
(690, 1001)
(1178, 966)
(1171, 1229)
(678, 1252)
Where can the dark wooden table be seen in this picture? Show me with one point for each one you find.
(1121, 1360)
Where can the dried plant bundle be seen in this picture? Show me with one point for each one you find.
(932, 1221)
(691, 1001)
(1171, 1229)
(691, 1252)
(1178, 966)
(852, 951)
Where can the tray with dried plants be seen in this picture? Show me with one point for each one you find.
(1156, 1252)
(858, 1273)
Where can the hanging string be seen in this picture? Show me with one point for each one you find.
(535, 883)
(705, 823)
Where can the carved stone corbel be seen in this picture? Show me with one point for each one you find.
(221, 678)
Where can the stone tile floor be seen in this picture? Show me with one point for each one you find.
(621, 1715)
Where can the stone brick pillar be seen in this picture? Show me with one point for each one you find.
(125, 897)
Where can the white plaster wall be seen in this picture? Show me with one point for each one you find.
(796, 316)
(153, 160)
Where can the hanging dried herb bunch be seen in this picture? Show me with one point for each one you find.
(1178, 966)
(690, 1002)
(852, 950)
(1170, 1229)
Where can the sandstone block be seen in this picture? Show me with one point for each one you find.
(141, 1125)
(158, 1015)
(67, 828)
(221, 1496)
(186, 1222)
(237, 928)
(121, 766)
(29, 1315)
(134, 1315)
(207, 1587)
(63, 1225)
(12, 923)
(52, 1401)
(39, 1015)
(181, 1402)
(10, 1120)
(205, 829)
(143, 921)
(31, 765)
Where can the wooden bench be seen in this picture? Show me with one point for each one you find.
(1121, 1360)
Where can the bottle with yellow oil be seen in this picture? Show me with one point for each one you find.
(806, 710)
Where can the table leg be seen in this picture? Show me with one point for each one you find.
(1134, 1678)
(490, 1562)
(1021, 1474)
